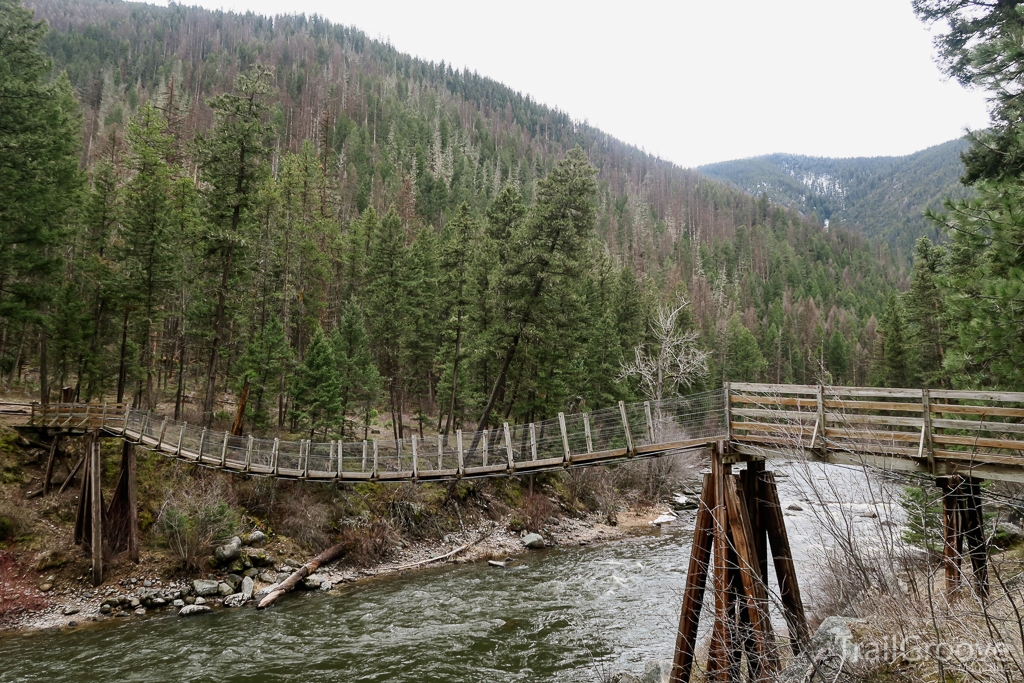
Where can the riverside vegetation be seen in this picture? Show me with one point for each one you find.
(197, 206)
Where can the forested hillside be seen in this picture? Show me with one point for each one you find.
(881, 196)
(287, 208)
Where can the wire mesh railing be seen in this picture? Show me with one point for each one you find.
(606, 433)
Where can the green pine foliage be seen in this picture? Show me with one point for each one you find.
(348, 230)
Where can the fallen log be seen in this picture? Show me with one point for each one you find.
(440, 558)
(286, 586)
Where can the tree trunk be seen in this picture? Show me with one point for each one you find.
(218, 331)
(44, 381)
(288, 585)
(122, 368)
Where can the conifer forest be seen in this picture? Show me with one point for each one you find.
(196, 205)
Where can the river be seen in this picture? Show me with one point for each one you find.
(559, 615)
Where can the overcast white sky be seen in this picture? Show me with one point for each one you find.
(690, 80)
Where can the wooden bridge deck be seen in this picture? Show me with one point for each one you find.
(938, 432)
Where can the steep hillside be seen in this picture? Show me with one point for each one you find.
(397, 221)
(881, 196)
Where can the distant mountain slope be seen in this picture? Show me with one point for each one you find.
(881, 196)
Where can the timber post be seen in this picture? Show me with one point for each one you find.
(133, 503)
(625, 428)
(565, 438)
(926, 429)
(96, 508)
(586, 431)
(508, 448)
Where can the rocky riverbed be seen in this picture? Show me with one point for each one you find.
(250, 566)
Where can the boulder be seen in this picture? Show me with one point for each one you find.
(247, 586)
(259, 557)
(199, 601)
(179, 603)
(229, 552)
(268, 577)
(50, 559)
(312, 583)
(657, 671)
(203, 587)
(193, 610)
(224, 589)
(795, 507)
(256, 539)
(1008, 534)
(140, 611)
(233, 580)
(533, 541)
(830, 645)
(235, 600)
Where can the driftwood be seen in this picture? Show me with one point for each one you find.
(326, 557)
(440, 558)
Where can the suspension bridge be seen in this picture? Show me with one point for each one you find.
(959, 438)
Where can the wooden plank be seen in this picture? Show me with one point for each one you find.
(775, 414)
(809, 389)
(979, 441)
(696, 580)
(980, 426)
(854, 418)
(926, 429)
(781, 439)
(994, 411)
(864, 391)
(862, 434)
(774, 401)
(773, 427)
(875, 405)
(1004, 396)
(782, 555)
(717, 668)
(874, 447)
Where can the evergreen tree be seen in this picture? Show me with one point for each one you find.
(231, 166)
(39, 176)
(894, 364)
(926, 312)
(317, 388)
(262, 365)
(359, 379)
(744, 361)
(837, 356)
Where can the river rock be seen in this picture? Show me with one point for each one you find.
(49, 559)
(235, 600)
(795, 507)
(203, 587)
(834, 638)
(105, 609)
(1008, 534)
(247, 586)
(312, 583)
(533, 541)
(68, 611)
(140, 611)
(224, 589)
(268, 577)
(623, 677)
(663, 519)
(199, 601)
(45, 587)
(193, 610)
(255, 539)
(180, 603)
(233, 580)
(258, 557)
(657, 671)
(229, 552)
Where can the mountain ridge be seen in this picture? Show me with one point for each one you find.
(880, 196)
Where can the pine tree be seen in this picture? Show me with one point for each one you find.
(262, 365)
(39, 176)
(926, 312)
(894, 365)
(837, 356)
(359, 380)
(231, 166)
(317, 388)
(743, 361)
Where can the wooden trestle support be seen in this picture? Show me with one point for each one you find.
(738, 519)
(116, 527)
(962, 524)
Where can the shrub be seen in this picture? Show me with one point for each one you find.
(15, 592)
(367, 542)
(535, 511)
(14, 521)
(192, 519)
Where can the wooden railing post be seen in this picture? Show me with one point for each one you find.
(821, 415)
(650, 422)
(508, 448)
(362, 467)
(728, 411)
(533, 441)
(484, 458)
(273, 456)
(224, 449)
(926, 429)
(340, 448)
(305, 460)
(181, 435)
(565, 438)
(586, 430)
(625, 427)
(458, 440)
(248, 454)
(202, 441)
(415, 458)
(440, 451)
(160, 439)
(374, 474)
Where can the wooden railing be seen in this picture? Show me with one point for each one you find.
(937, 431)
(76, 416)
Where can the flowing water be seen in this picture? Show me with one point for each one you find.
(559, 615)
